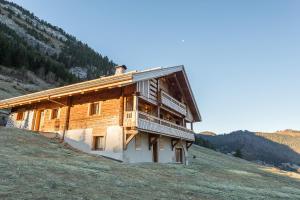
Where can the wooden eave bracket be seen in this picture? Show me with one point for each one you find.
(174, 142)
(152, 140)
(62, 104)
(128, 137)
(188, 144)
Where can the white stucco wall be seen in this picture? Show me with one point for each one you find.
(165, 154)
(131, 155)
(24, 124)
(82, 139)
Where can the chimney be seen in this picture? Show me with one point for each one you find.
(120, 69)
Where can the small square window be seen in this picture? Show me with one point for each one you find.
(20, 116)
(94, 108)
(99, 143)
(54, 113)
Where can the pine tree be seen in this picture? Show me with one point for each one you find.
(238, 153)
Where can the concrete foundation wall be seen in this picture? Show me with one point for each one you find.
(132, 155)
(143, 154)
(82, 139)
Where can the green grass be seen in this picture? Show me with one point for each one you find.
(34, 167)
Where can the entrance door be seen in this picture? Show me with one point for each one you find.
(42, 120)
(178, 154)
(155, 152)
(38, 120)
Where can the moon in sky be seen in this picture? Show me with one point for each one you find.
(182, 40)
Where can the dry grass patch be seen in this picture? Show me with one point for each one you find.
(35, 167)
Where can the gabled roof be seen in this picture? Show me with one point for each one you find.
(183, 79)
(108, 82)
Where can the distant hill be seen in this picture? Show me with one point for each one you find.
(27, 42)
(207, 133)
(272, 148)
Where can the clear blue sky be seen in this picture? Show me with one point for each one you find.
(242, 57)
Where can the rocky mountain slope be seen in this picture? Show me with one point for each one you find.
(35, 167)
(15, 82)
(280, 148)
(27, 42)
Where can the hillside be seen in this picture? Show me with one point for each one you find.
(33, 166)
(27, 42)
(272, 148)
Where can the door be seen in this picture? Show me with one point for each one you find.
(178, 154)
(38, 120)
(155, 152)
(42, 120)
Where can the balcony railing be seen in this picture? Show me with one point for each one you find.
(172, 103)
(148, 122)
(130, 119)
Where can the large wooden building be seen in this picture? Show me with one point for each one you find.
(137, 116)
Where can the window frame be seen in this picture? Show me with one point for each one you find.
(57, 115)
(18, 118)
(95, 147)
(90, 109)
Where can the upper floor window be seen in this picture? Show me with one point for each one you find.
(54, 113)
(20, 116)
(129, 103)
(94, 108)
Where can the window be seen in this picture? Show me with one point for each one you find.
(99, 143)
(94, 108)
(20, 116)
(138, 142)
(129, 103)
(54, 113)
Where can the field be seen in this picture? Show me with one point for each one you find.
(35, 167)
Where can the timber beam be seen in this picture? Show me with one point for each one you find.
(152, 139)
(188, 144)
(129, 135)
(174, 142)
(57, 102)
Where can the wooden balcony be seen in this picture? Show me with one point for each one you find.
(153, 124)
(172, 103)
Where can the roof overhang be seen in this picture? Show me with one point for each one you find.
(108, 83)
(69, 90)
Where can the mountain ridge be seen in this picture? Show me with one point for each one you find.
(277, 148)
(52, 54)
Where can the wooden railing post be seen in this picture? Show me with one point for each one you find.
(121, 108)
(136, 108)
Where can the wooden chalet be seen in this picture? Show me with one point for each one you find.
(137, 116)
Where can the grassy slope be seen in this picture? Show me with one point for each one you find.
(32, 166)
